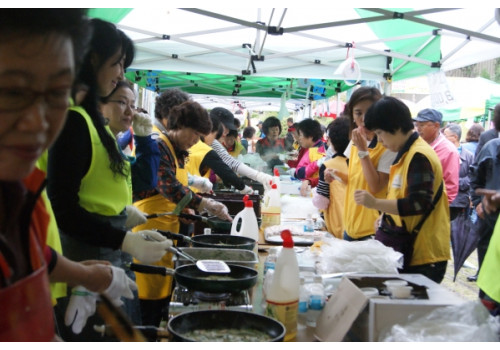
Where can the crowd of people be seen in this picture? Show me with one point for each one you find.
(74, 205)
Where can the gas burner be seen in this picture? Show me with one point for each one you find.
(204, 296)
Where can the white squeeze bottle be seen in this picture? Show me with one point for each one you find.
(283, 295)
(276, 180)
(249, 226)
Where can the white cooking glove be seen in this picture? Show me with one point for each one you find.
(264, 179)
(146, 246)
(215, 208)
(291, 172)
(134, 217)
(82, 305)
(142, 124)
(121, 286)
(246, 190)
(201, 183)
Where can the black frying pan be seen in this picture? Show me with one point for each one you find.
(240, 278)
(224, 319)
(225, 241)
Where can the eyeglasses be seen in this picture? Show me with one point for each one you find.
(17, 99)
(123, 104)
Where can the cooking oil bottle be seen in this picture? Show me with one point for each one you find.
(282, 297)
(271, 211)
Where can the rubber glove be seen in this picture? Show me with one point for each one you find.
(146, 246)
(82, 305)
(264, 179)
(246, 190)
(291, 172)
(142, 124)
(201, 183)
(134, 217)
(121, 286)
(215, 208)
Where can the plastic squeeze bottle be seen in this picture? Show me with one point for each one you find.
(283, 295)
(249, 226)
(271, 211)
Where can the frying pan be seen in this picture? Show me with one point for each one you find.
(224, 319)
(224, 241)
(238, 279)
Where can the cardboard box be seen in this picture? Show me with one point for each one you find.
(351, 315)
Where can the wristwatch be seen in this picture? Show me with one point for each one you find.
(363, 154)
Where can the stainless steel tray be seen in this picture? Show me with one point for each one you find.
(241, 257)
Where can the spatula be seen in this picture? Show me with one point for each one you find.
(205, 265)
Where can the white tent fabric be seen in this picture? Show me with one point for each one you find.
(313, 45)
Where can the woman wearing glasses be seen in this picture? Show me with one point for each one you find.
(89, 179)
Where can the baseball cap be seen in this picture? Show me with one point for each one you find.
(429, 115)
(225, 117)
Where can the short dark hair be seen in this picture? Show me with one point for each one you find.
(248, 132)
(389, 114)
(167, 100)
(310, 128)
(364, 93)
(338, 132)
(237, 123)
(190, 114)
(119, 85)
(496, 117)
(270, 122)
(233, 133)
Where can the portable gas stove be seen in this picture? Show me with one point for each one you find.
(184, 300)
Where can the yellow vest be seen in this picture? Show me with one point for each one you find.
(153, 287)
(102, 191)
(196, 155)
(58, 289)
(314, 155)
(335, 212)
(433, 241)
(359, 220)
(238, 148)
(488, 274)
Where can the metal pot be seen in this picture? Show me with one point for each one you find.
(179, 325)
(240, 278)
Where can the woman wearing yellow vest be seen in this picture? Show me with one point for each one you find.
(369, 164)
(88, 178)
(414, 182)
(233, 146)
(178, 131)
(203, 159)
(330, 196)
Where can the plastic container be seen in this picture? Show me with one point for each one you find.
(271, 211)
(271, 258)
(277, 180)
(303, 301)
(317, 300)
(249, 226)
(282, 298)
(309, 224)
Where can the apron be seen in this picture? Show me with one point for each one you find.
(26, 312)
(154, 287)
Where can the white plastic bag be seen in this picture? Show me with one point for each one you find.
(371, 256)
(467, 322)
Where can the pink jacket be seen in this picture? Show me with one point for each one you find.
(450, 161)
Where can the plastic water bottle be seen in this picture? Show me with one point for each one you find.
(271, 258)
(316, 301)
(303, 301)
(283, 295)
(309, 225)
